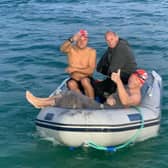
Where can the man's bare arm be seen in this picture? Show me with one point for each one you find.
(66, 46)
(125, 98)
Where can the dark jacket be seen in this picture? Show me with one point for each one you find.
(120, 57)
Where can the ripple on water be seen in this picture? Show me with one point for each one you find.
(31, 34)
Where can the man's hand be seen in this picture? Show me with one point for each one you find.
(70, 69)
(116, 76)
(76, 36)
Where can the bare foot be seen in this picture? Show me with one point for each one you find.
(32, 99)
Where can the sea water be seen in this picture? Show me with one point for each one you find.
(31, 32)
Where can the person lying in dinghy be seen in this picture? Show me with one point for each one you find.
(129, 95)
(125, 97)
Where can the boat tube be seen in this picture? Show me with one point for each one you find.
(104, 127)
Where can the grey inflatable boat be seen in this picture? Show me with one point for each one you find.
(104, 127)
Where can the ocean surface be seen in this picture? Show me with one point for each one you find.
(31, 32)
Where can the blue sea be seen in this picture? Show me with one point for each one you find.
(31, 32)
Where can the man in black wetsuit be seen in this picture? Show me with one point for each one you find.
(117, 56)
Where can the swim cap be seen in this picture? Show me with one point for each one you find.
(141, 74)
(83, 33)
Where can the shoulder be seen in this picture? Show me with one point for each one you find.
(91, 49)
(124, 46)
(122, 43)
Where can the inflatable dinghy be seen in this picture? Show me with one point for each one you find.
(104, 127)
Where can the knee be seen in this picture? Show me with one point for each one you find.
(85, 82)
(72, 84)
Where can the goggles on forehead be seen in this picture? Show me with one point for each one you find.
(83, 33)
(141, 77)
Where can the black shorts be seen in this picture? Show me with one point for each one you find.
(92, 81)
(104, 88)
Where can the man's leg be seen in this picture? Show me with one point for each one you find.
(99, 88)
(73, 85)
(110, 86)
(40, 102)
(73, 99)
(104, 88)
(88, 89)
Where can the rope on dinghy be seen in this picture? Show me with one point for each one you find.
(129, 141)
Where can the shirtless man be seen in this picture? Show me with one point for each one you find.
(81, 63)
(130, 96)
